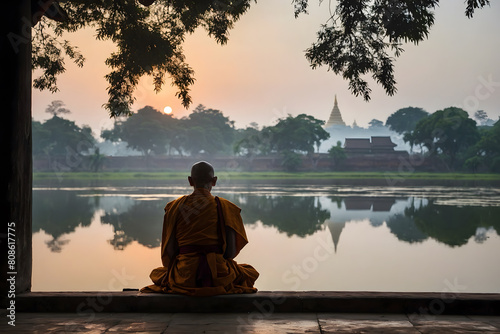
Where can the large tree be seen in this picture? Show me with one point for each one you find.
(488, 148)
(446, 133)
(148, 131)
(153, 132)
(58, 137)
(405, 119)
(207, 130)
(292, 136)
(337, 154)
(296, 134)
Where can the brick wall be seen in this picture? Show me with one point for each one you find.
(397, 160)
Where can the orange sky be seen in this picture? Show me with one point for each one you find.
(262, 74)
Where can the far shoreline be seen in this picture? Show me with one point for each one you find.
(390, 179)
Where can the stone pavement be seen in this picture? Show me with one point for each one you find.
(191, 323)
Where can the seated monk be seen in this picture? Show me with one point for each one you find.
(202, 234)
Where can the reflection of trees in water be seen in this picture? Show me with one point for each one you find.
(56, 244)
(452, 225)
(59, 212)
(404, 228)
(142, 222)
(337, 200)
(292, 215)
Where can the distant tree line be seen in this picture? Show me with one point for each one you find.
(448, 136)
(205, 132)
(155, 133)
(451, 137)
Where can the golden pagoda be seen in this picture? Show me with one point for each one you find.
(335, 116)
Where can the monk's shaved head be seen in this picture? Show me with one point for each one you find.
(202, 174)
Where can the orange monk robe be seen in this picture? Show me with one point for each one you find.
(193, 221)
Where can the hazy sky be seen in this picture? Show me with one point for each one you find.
(262, 74)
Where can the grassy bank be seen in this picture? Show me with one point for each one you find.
(395, 176)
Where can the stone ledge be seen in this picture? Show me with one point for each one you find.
(262, 302)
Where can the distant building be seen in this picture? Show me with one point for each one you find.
(358, 145)
(378, 144)
(335, 116)
(382, 144)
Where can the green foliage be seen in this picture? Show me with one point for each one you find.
(58, 137)
(296, 134)
(208, 131)
(473, 163)
(405, 119)
(148, 41)
(472, 5)
(375, 123)
(291, 160)
(337, 154)
(146, 131)
(96, 160)
(249, 142)
(446, 133)
(48, 53)
(488, 148)
(481, 116)
(41, 136)
(153, 132)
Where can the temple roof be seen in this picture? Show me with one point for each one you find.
(377, 143)
(357, 143)
(384, 141)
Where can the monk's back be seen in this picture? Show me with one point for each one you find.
(197, 223)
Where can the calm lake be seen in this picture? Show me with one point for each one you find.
(321, 237)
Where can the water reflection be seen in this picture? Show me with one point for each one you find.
(411, 220)
(296, 215)
(58, 213)
(454, 226)
(141, 222)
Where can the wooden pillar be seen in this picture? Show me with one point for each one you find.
(15, 136)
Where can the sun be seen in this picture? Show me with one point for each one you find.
(167, 110)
